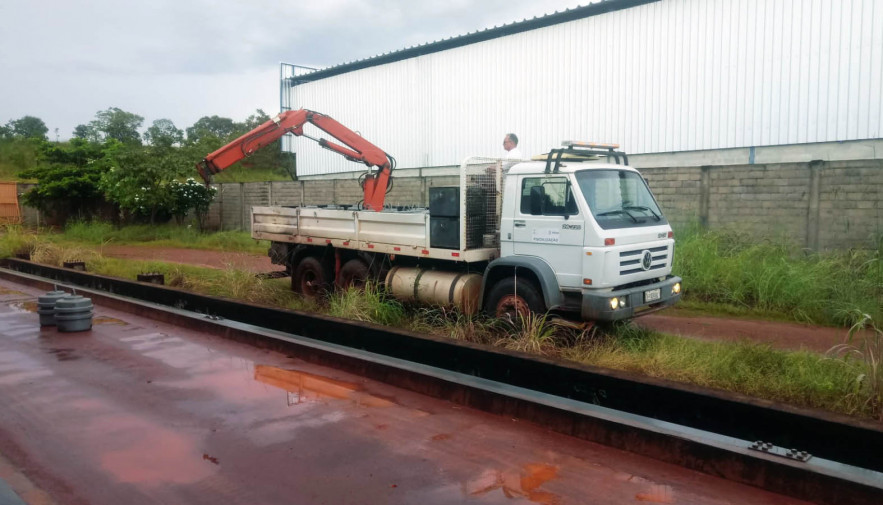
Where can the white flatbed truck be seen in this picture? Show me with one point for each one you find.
(573, 236)
(577, 233)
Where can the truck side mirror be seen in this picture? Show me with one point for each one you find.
(537, 199)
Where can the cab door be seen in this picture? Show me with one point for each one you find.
(549, 225)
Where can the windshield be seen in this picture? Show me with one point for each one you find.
(619, 199)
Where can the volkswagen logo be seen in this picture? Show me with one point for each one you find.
(646, 260)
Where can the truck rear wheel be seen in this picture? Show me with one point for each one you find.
(310, 278)
(353, 273)
(509, 299)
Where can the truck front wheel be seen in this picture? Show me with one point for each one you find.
(310, 278)
(509, 299)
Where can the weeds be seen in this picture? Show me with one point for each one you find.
(454, 324)
(369, 304)
(864, 345)
(776, 279)
(16, 241)
(100, 233)
(798, 378)
(532, 333)
(56, 254)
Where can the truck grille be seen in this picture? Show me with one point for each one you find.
(632, 262)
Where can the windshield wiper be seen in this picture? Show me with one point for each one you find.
(618, 211)
(646, 209)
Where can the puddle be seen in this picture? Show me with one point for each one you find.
(24, 306)
(109, 320)
(306, 387)
(523, 484)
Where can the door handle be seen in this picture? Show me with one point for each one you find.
(520, 224)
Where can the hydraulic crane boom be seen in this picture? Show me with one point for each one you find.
(355, 148)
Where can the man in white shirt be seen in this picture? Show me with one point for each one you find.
(510, 144)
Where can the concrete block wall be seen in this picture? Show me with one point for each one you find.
(408, 192)
(850, 203)
(678, 192)
(761, 200)
(285, 193)
(318, 192)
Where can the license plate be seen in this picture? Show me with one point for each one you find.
(652, 295)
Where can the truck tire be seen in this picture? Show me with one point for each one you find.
(353, 273)
(508, 299)
(310, 278)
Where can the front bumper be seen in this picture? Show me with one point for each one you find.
(596, 306)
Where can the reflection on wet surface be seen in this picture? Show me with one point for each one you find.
(63, 354)
(305, 387)
(30, 306)
(19, 368)
(525, 483)
(657, 494)
(139, 451)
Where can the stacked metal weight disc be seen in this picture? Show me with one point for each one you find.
(46, 306)
(73, 313)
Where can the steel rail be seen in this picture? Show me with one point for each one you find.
(712, 432)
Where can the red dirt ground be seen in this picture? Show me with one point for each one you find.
(779, 335)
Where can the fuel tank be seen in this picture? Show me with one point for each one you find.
(435, 287)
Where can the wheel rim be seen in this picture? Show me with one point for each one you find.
(308, 284)
(512, 306)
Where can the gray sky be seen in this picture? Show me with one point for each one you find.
(63, 61)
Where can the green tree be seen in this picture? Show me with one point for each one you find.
(163, 134)
(86, 132)
(141, 178)
(113, 123)
(258, 118)
(221, 128)
(68, 179)
(191, 195)
(27, 127)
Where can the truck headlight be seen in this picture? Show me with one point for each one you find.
(617, 303)
(676, 289)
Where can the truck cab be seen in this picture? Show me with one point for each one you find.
(588, 237)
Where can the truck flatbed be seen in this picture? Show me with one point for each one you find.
(405, 233)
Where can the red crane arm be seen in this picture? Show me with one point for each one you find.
(355, 148)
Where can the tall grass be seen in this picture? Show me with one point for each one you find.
(16, 240)
(369, 304)
(452, 323)
(532, 333)
(167, 235)
(798, 378)
(777, 278)
(864, 346)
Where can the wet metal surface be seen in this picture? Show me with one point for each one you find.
(143, 412)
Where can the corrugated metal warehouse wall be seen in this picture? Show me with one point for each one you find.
(674, 75)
